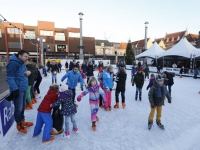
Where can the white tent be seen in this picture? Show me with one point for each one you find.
(154, 51)
(182, 48)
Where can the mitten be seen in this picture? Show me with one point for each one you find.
(81, 88)
(152, 105)
(15, 93)
(79, 98)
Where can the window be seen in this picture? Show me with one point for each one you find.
(178, 38)
(172, 39)
(60, 36)
(167, 39)
(46, 33)
(51, 46)
(29, 34)
(75, 35)
(0, 33)
(13, 31)
(13, 45)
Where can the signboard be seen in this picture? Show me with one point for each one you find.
(61, 48)
(6, 117)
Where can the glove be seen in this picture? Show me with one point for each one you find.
(79, 98)
(81, 88)
(15, 93)
(107, 89)
(152, 105)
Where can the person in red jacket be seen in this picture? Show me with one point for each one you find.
(44, 114)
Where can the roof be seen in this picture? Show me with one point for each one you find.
(122, 46)
(139, 43)
(106, 42)
(172, 38)
(192, 37)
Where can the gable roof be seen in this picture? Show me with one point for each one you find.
(139, 43)
(106, 42)
(122, 46)
(173, 37)
(192, 37)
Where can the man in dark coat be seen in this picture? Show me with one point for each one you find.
(146, 72)
(90, 69)
(139, 81)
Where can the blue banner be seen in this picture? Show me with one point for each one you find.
(6, 116)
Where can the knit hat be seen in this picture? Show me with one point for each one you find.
(64, 87)
(140, 69)
(159, 78)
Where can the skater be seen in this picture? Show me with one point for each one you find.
(38, 81)
(133, 71)
(170, 82)
(94, 91)
(139, 81)
(84, 67)
(90, 69)
(121, 83)
(107, 86)
(156, 95)
(181, 71)
(59, 66)
(146, 72)
(68, 108)
(44, 114)
(66, 66)
(73, 78)
(152, 79)
(100, 67)
(54, 70)
(164, 76)
(17, 78)
(72, 64)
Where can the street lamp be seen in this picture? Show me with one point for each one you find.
(41, 40)
(81, 47)
(116, 45)
(145, 38)
(102, 45)
(20, 37)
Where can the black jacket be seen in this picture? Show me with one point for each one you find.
(32, 76)
(53, 68)
(139, 80)
(121, 83)
(66, 65)
(90, 70)
(146, 71)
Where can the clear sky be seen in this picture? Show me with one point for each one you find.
(117, 20)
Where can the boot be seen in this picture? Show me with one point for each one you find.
(97, 119)
(32, 101)
(35, 100)
(101, 106)
(159, 124)
(51, 139)
(66, 134)
(116, 105)
(21, 128)
(180, 76)
(75, 130)
(136, 98)
(110, 108)
(150, 124)
(29, 106)
(140, 98)
(59, 132)
(123, 105)
(94, 126)
(54, 132)
(27, 124)
(76, 105)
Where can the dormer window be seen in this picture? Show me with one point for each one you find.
(172, 39)
(178, 38)
(167, 39)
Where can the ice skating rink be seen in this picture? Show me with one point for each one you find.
(123, 129)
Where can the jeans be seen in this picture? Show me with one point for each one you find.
(169, 88)
(54, 78)
(43, 118)
(19, 104)
(72, 116)
(44, 71)
(138, 90)
(122, 95)
(36, 86)
(74, 94)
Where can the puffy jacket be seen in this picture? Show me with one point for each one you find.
(73, 79)
(139, 80)
(151, 83)
(107, 79)
(121, 83)
(153, 92)
(32, 76)
(68, 106)
(53, 68)
(15, 74)
(90, 70)
(50, 98)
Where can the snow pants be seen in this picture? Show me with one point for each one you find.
(46, 119)
(159, 113)
(108, 97)
(94, 106)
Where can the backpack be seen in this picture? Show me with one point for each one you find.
(57, 119)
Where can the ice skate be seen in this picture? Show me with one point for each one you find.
(75, 130)
(27, 124)
(110, 108)
(123, 105)
(116, 105)
(21, 128)
(160, 125)
(97, 119)
(150, 124)
(66, 135)
(94, 126)
(51, 139)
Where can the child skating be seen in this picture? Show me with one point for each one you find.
(151, 81)
(157, 94)
(68, 108)
(44, 114)
(139, 81)
(94, 91)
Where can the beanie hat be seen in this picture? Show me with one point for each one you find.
(159, 78)
(64, 87)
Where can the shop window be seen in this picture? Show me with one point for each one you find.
(46, 33)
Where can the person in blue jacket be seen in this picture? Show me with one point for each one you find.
(73, 78)
(108, 85)
(17, 78)
(133, 71)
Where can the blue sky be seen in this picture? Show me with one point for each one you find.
(117, 20)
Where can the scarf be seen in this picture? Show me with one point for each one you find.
(160, 91)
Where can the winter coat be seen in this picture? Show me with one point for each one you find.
(133, 71)
(50, 98)
(53, 68)
(68, 106)
(121, 83)
(139, 80)
(71, 65)
(73, 79)
(39, 76)
(146, 71)
(107, 79)
(66, 65)
(59, 65)
(90, 70)
(153, 95)
(32, 76)
(164, 76)
(94, 93)
(84, 67)
(15, 74)
(182, 70)
(48, 64)
(170, 78)
(151, 83)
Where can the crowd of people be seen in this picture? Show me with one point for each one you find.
(24, 78)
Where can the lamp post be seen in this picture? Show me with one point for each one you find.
(20, 37)
(102, 45)
(116, 45)
(81, 47)
(41, 40)
(145, 38)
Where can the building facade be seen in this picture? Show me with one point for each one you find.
(58, 42)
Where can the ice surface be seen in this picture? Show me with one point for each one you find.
(123, 129)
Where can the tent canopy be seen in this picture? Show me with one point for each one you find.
(182, 48)
(154, 51)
